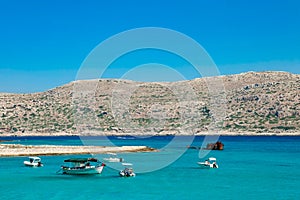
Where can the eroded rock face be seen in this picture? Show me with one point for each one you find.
(255, 102)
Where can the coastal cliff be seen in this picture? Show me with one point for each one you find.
(255, 102)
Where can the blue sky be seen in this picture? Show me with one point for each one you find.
(43, 43)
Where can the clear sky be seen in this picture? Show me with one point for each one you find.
(43, 43)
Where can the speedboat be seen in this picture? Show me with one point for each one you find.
(128, 171)
(82, 166)
(33, 162)
(209, 163)
(113, 158)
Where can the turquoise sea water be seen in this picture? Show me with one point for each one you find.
(249, 168)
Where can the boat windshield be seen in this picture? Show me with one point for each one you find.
(34, 159)
(212, 159)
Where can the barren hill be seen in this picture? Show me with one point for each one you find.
(248, 102)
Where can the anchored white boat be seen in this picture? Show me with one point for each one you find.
(82, 166)
(33, 162)
(209, 163)
(128, 171)
(113, 158)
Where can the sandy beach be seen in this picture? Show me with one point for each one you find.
(9, 150)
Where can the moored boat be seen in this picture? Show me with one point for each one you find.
(82, 166)
(33, 161)
(209, 163)
(113, 158)
(128, 171)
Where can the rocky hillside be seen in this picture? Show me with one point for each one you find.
(249, 102)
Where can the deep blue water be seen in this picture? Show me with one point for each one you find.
(249, 168)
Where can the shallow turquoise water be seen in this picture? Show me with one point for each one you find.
(249, 168)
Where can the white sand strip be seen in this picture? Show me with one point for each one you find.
(8, 150)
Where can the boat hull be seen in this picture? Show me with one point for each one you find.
(204, 165)
(207, 166)
(29, 164)
(124, 174)
(82, 171)
(113, 159)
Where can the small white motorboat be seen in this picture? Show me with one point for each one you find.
(128, 171)
(113, 158)
(209, 163)
(82, 166)
(33, 162)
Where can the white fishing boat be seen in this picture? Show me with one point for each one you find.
(33, 162)
(128, 171)
(113, 158)
(209, 163)
(82, 166)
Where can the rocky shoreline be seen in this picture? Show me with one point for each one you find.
(11, 150)
(165, 133)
